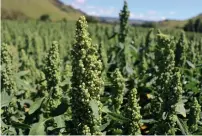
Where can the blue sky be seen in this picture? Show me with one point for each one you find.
(141, 9)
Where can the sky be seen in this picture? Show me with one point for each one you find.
(153, 10)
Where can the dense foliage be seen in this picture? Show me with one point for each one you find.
(194, 25)
(92, 79)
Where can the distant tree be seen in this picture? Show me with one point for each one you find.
(194, 25)
(197, 24)
(45, 17)
(92, 19)
(149, 24)
(189, 26)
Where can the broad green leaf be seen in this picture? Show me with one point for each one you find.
(105, 109)
(36, 105)
(37, 128)
(24, 85)
(190, 64)
(192, 85)
(117, 117)
(102, 127)
(180, 109)
(22, 73)
(129, 69)
(59, 120)
(5, 99)
(94, 106)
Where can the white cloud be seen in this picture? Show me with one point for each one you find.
(163, 18)
(146, 16)
(99, 11)
(93, 13)
(90, 7)
(111, 11)
(80, 1)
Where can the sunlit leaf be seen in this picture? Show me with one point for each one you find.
(94, 107)
(37, 128)
(22, 73)
(36, 105)
(117, 117)
(190, 64)
(180, 109)
(60, 121)
(5, 99)
(105, 109)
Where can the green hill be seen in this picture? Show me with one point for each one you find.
(176, 23)
(33, 9)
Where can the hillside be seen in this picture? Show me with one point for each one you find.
(177, 23)
(33, 9)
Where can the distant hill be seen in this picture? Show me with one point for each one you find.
(114, 19)
(33, 9)
(165, 23)
(176, 23)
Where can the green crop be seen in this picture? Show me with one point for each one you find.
(86, 80)
(79, 78)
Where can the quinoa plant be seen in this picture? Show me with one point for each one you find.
(181, 51)
(7, 83)
(164, 60)
(87, 84)
(52, 75)
(103, 56)
(118, 82)
(124, 15)
(168, 87)
(133, 113)
(24, 60)
(194, 115)
(8, 88)
(149, 42)
(167, 118)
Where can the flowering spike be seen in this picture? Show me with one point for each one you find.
(133, 113)
(194, 115)
(118, 89)
(86, 80)
(7, 83)
(181, 49)
(52, 74)
(124, 15)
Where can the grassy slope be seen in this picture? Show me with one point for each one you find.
(176, 23)
(172, 23)
(35, 8)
